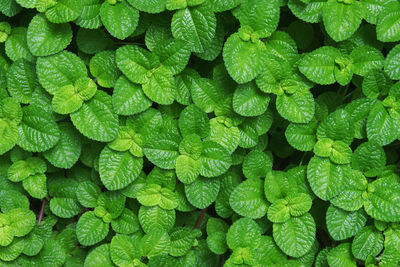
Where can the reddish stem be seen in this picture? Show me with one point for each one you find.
(41, 211)
(200, 220)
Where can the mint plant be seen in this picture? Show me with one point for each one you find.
(199, 133)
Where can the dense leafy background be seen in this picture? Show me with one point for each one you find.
(199, 133)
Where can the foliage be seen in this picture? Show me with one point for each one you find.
(199, 133)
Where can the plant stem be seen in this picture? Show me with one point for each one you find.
(200, 220)
(41, 211)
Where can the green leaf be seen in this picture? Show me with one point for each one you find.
(9, 8)
(187, 169)
(182, 240)
(153, 194)
(59, 70)
(302, 136)
(90, 16)
(12, 251)
(366, 58)
(224, 133)
(45, 38)
(343, 224)
(308, 11)
(202, 192)
(372, 10)
(99, 256)
(387, 28)
(368, 242)
(299, 203)
(298, 107)
(118, 169)
(194, 25)
(96, 119)
(22, 81)
(279, 212)
(276, 185)
(205, 94)
(295, 236)
(220, 6)
(337, 126)
(248, 199)
(124, 249)
(162, 150)
(319, 65)
(341, 19)
(341, 256)
(156, 218)
(193, 120)
(120, 19)
(369, 158)
(376, 82)
(35, 185)
(215, 159)
(87, 194)
(38, 131)
(68, 149)
(249, 101)
(104, 68)
(174, 54)
(160, 86)
(135, 62)
(244, 233)
(351, 198)
(244, 60)
(64, 207)
(392, 62)
(216, 242)
(381, 128)
(16, 46)
(337, 151)
(64, 11)
(90, 229)
(256, 164)
(151, 6)
(126, 223)
(383, 200)
(156, 242)
(21, 221)
(327, 179)
(128, 98)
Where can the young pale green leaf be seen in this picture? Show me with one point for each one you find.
(187, 169)
(279, 211)
(276, 185)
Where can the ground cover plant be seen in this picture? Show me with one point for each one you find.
(199, 133)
